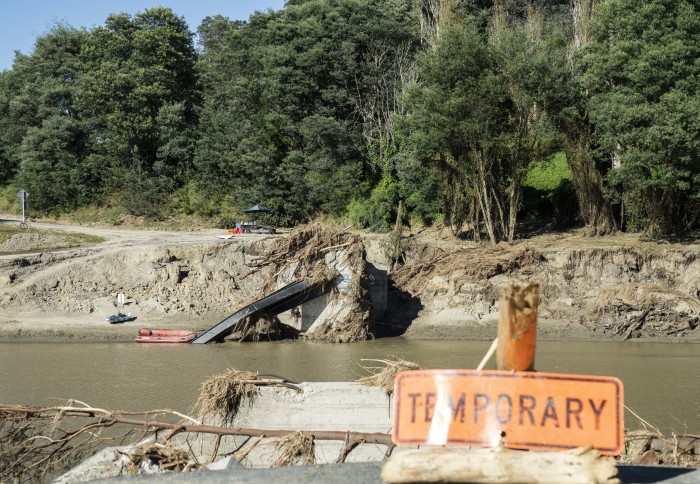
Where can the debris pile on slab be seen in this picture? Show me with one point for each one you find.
(384, 376)
(222, 394)
(155, 458)
(296, 449)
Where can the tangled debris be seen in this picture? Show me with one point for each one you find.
(162, 457)
(38, 443)
(650, 447)
(640, 297)
(261, 326)
(465, 264)
(323, 257)
(385, 375)
(296, 449)
(222, 394)
(651, 309)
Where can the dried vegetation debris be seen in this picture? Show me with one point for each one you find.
(261, 326)
(634, 310)
(160, 457)
(384, 376)
(465, 264)
(321, 256)
(298, 448)
(222, 394)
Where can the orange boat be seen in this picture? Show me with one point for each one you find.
(147, 335)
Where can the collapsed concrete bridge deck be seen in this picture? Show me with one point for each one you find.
(283, 299)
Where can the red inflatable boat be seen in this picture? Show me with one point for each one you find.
(165, 336)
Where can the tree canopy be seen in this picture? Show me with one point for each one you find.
(358, 107)
(643, 79)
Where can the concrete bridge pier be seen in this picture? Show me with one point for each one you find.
(309, 312)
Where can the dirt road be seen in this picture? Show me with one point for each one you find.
(66, 293)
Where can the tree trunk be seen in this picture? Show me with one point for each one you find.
(583, 11)
(516, 191)
(596, 211)
(481, 188)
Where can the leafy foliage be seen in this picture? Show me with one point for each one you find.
(281, 120)
(357, 107)
(139, 96)
(480, 117)
(643, 77)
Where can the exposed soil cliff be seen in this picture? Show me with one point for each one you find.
(615, 287)
(443, 287)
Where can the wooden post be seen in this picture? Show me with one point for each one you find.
(517, 328)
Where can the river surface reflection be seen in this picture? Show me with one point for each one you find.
(662, 381)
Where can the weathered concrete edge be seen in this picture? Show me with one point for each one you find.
(369, 472)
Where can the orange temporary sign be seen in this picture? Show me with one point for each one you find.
(522, 410)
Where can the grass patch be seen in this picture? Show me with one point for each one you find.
(68, 239)
(116, 216)
(547, 175)
(111, 215)
(548, 192)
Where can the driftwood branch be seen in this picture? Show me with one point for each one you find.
(109, 419)
(40, 439)
(348, 446)
(370, 438)
(634, 325)
(499, 465)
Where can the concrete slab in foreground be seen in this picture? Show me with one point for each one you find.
(369, 472)
(343, 406)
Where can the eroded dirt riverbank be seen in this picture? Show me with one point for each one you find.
(442, 288)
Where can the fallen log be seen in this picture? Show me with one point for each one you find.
(500, 465)
(109, 419)
(637, 325)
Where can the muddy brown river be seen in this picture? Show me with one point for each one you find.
(661, 381)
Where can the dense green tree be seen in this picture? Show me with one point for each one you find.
(643, 78)
(480, 115)
(530, 59)
(292, 102)
(10, 130)
(454, 116)
(43, 129)
(51, 170)
(139, 96)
